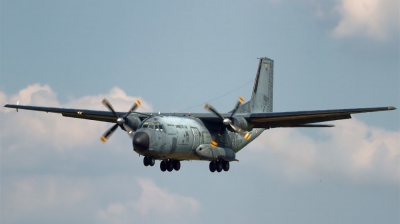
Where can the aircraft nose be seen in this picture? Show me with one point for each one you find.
(141, 141)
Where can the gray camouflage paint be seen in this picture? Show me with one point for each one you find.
(188, 138)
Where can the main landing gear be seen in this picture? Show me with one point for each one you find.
(219, 166)
(170, 165)
(164, 165)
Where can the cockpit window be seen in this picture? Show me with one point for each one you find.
(156, 126)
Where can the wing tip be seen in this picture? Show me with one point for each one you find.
(392, 108)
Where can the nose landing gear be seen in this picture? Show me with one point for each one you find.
(149, 161)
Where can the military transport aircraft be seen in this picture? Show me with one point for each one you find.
(214, 137)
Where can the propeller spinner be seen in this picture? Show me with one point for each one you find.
(120, 120)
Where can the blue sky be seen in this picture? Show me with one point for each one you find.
(175, 55)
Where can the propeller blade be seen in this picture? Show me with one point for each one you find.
(246, 135)
(108, 105)
(240, 101)
(108, 133)
(212, 109)
(134, 107)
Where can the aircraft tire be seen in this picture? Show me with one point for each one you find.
(212, 167)
(226, 166)
(151, 160)
(145, 161)
(219, 166)
(170, 165)
(177, 165)
(163, 166)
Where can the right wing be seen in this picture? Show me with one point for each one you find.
(305, 118)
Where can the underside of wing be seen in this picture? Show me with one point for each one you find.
(97, 115)
(305, 118)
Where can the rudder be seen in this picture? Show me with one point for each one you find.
(262, 97)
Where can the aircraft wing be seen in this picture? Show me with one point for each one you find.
(305, 118)
(97, 115)
(259, 120)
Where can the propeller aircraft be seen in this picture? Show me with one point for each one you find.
(214, 137)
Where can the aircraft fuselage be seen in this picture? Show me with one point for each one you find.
(172, 137)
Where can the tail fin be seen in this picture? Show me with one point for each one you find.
(262, 97)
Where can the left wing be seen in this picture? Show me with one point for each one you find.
(97, 115)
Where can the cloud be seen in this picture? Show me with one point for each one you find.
(154, 202)
(52, 197)
(351, 151)
(46, 158)
(60, 132)
(26, 197)
(372, 18)
(154, 199)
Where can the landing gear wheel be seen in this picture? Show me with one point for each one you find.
(212, 166)
(145, 161)
(163, 166)
(177, 165)
(219, 166)
(226, 166)
(151, 160)
(170, 165)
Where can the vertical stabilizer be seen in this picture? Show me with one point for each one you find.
(262, 98)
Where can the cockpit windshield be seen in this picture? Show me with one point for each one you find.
(154, 126)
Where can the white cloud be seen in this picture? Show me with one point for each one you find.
(61, 132)
(31, 195)
(33, 143)
(351, 151)
(371, 18)
(159, 203)
(154, 199)
(47, 197)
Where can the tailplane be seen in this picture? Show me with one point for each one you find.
(262, 98)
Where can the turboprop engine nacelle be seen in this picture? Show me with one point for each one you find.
(206, 151)
(132, 121)
(240, 122)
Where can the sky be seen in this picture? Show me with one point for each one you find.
(175, 56)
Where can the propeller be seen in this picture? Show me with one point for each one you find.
(228, 121)
(120, 120)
